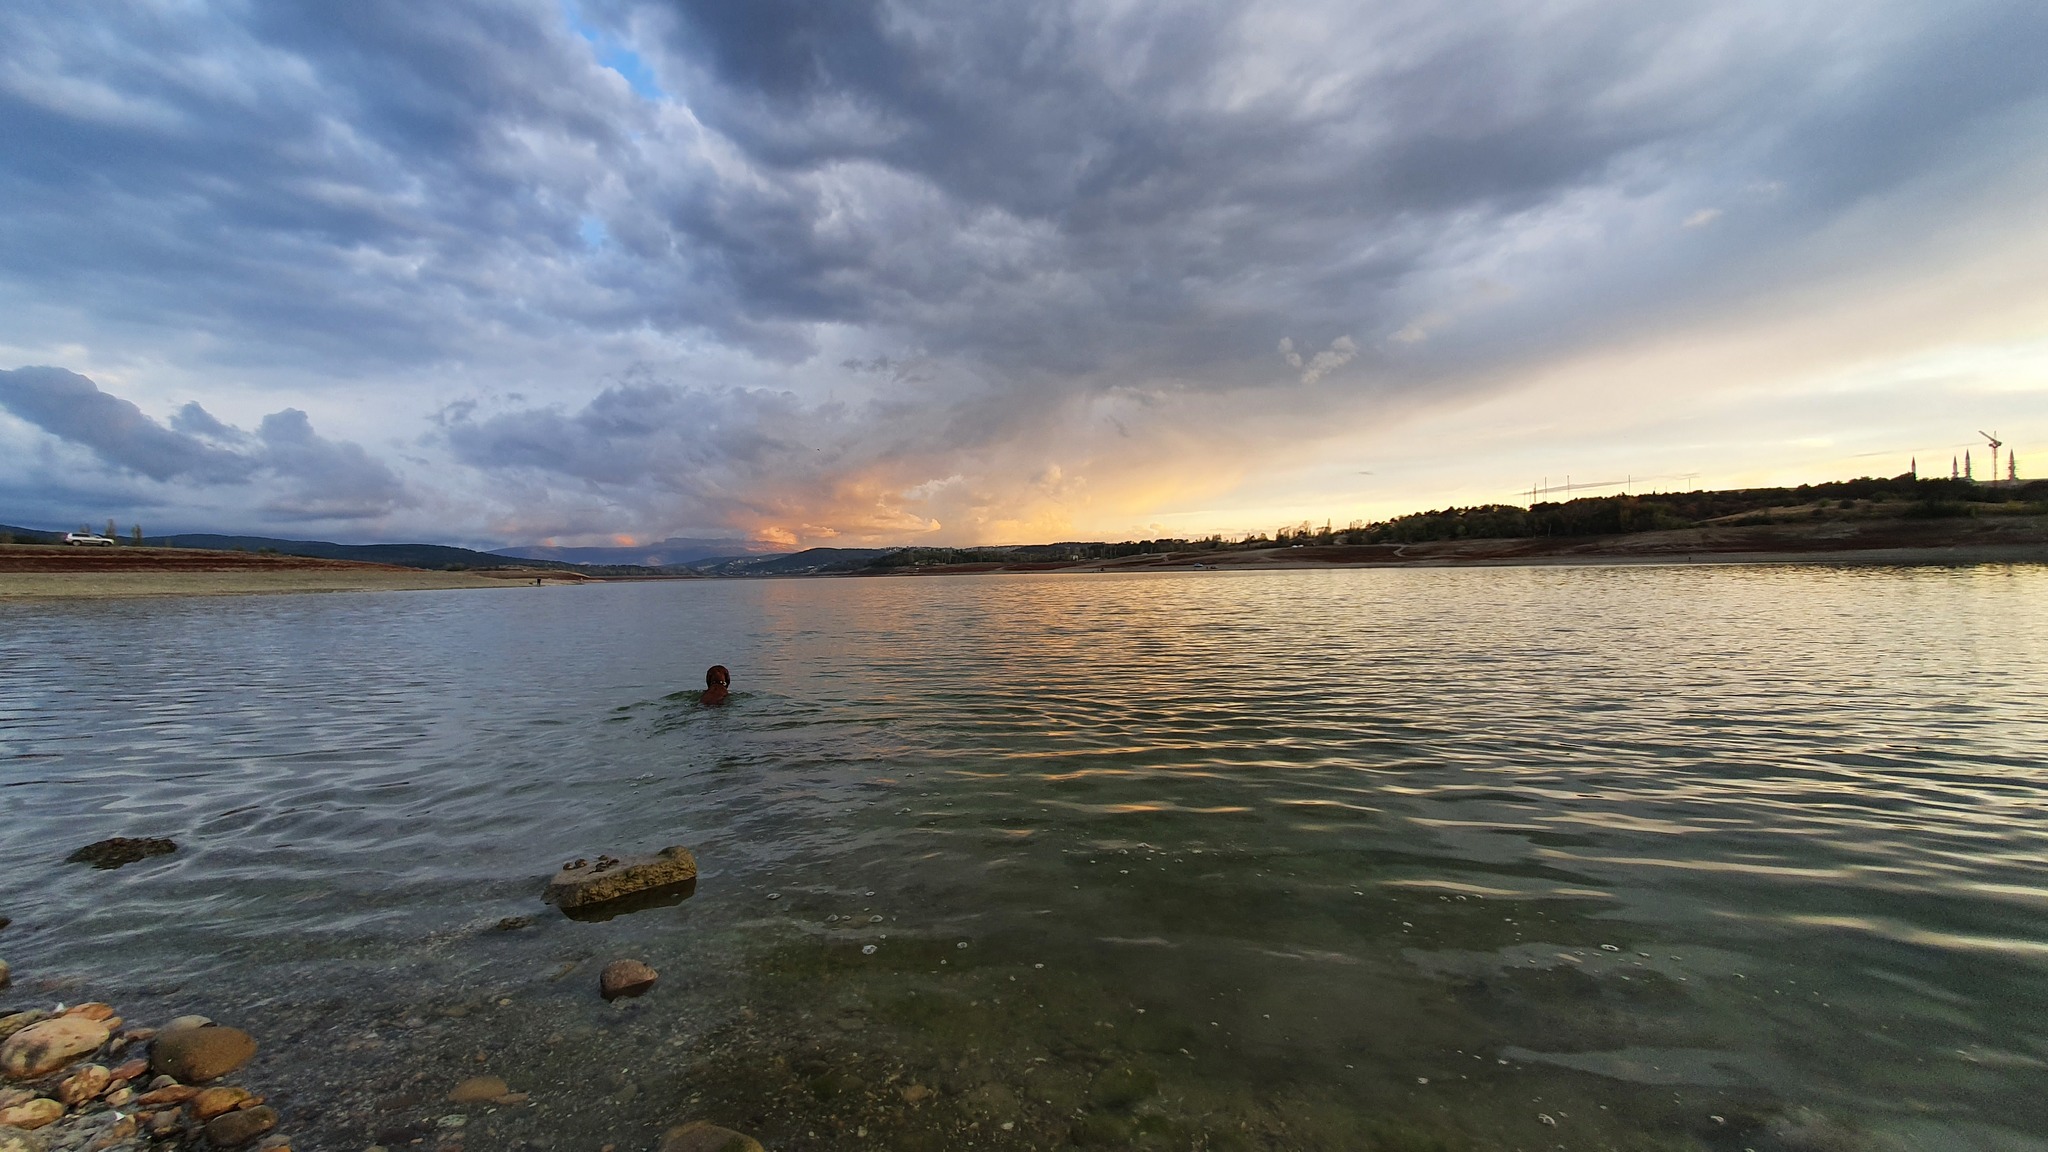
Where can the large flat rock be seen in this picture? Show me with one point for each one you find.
(587, 884)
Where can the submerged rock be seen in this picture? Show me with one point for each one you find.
(121, 850)
(6, 974)
(196, 1055)
(238, 1128)
(21, 1140)
(704, 1136)
(478, 1089)
(585, 884)
(43, 1048)
(625, 978)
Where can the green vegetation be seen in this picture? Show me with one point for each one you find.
(1899, 497)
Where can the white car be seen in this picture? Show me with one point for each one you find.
(87, 538)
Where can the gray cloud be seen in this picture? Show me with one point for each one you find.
(303, 476)
(71, 407)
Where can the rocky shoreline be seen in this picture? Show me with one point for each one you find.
(82, 1078)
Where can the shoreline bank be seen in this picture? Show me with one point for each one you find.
(32, 572)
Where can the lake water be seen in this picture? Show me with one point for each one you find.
(1521, 858)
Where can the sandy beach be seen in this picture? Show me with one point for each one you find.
(51, 572)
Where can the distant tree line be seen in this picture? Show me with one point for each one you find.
(1586, 516)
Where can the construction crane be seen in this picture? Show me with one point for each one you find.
(1996, 443)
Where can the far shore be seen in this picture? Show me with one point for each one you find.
(2003, 539)
(56, 572)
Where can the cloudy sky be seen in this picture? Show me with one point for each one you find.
(883, 271)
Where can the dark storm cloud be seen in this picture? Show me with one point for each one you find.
(1149, 191)
(304, 476)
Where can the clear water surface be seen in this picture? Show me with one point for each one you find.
(1644, 857)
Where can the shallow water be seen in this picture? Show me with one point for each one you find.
(1673, 857)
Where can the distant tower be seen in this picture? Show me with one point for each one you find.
(1966, 465)
(2012, 468)
(1952, 473)
(1913, 469)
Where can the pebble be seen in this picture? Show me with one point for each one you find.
(703, 1136)
(218, 1101)
(168, 1094)
(478, 1089)
(180, 1023)
(237, 1128)
(625, 978)
(35, 1114)
(6, 974)
(867, 949)
(15, 1022)
(83, 1085)
(45, 1046)
(196, 1055)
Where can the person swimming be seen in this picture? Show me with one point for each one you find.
(716, 682)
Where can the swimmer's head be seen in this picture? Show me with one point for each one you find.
(717, 677)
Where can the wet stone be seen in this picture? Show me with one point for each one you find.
(238, 1128)
(478, 1089)
(119, 850)
(15, 1022)
(34, 1114)
(196, 1055)
(46, 1046)
(584, 884)
(703, 1136)
(625, 978)
(83, 1085)
(218, 1102)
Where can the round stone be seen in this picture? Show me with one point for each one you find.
(196, 1055)
(625, 978)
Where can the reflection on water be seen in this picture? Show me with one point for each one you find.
(1505, 858)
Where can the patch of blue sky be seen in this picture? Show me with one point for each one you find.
(593, 232)
(614, 53)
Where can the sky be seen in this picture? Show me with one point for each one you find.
(882, 272)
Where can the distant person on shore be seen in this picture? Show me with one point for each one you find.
(716, 683)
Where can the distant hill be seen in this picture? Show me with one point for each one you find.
(677, 551)
(29, 535)
(809, 562)
(425, 556)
